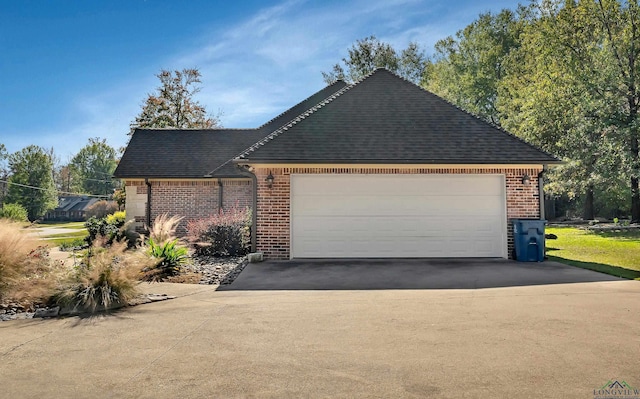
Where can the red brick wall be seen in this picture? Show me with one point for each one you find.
(237, 193)
(272, 233)
(194, 199)
(274, 203)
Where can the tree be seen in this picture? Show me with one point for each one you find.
(63, 177)
(32, 167)
(173, 105)
(3, 158)
(558, 74)
(597, 42)
(545, 102)
(367, 54)
(92, 168)
(4, 172)
(468, 68)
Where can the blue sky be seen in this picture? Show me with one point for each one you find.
(71, 70)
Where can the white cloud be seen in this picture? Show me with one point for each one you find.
(256, 68)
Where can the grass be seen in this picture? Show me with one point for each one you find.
(60, 225)
(59, 239)
(613, 252)
(73, 234)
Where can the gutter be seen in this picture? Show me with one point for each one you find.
(146, 181)
(244, 170)
(541, 192)
(220, 195)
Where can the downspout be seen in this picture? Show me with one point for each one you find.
(220, 195)
(244, 170)
(146, 181)
(541, 192)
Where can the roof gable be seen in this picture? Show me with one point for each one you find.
(386, 119)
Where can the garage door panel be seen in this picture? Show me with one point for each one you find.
(375, 185)
(410, 248)
(424, 226)
(394, 205)
(397, 215)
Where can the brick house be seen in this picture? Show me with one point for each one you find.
(378, 168)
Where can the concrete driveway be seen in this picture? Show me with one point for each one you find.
(367, 274)
(548, 340)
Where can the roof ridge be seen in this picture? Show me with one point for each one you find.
(492, 124)
(291, 123)
(274, 134)
(213, 129)
(289, 109)
(301, 117)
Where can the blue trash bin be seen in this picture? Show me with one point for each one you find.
(528, 239)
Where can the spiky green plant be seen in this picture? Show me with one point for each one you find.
(171, 257)
(164, 228)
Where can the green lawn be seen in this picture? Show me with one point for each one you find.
(73, 234)
(65, 238)
(613, 252)
(60, 225)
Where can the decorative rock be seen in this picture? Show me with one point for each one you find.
(217, 270)
(47, 312)
(24, 316)
(255, 257)
(159, 297)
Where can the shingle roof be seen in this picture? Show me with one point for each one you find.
(386, 119)
(172, 153)
(68, 203)
(193, 153)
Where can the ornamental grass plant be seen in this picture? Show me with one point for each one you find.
(108, 277)
(165, 249)
(28, 275)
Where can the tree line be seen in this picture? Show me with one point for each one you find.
(34, 177)
(564, 75)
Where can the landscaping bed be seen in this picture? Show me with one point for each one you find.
(106, 271)
(206, 270)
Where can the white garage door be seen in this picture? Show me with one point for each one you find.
(379, 216)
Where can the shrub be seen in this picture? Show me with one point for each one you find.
(73, 244)
(14, 212)
(117, 218)
(101, 209)
(171, 258)
(164, 228)
(226, 233)
(27, 273)
(100, 228)
(107, 277)
(112, 228)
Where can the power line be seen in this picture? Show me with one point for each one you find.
(57, 191)
(102, 181)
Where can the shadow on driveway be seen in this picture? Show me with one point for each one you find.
(377, 274)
